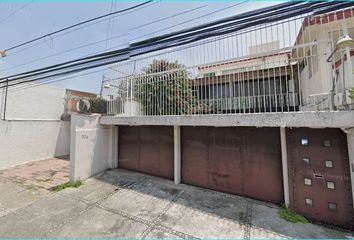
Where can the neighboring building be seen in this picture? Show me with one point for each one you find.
(272, 122)
(32, 124)
(72, 97)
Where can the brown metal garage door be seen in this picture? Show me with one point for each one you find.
(239, 160)
(319, 175)
(147, 149)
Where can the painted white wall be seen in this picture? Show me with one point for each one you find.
(40, 102)
(24, 141)
(94, 147)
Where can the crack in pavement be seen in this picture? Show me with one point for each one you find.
(157, 219)
(248, 224)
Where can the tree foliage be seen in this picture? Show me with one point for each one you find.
(165, 89)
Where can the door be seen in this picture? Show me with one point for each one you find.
(147, 149)
(238, 160)
(319, 177)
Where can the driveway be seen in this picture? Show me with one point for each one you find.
(120, 203)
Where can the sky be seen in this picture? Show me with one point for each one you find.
(41, 17)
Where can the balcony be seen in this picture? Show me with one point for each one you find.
(265, 70)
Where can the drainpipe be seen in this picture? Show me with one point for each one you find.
(284, 159)
(344, 93)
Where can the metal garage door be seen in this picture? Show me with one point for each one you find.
(147, 149)
(239, 160)
(319, 171)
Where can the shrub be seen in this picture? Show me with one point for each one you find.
(74, 184)
(290, 216)
(98, 105)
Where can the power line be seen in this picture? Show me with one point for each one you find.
(103, 40)
(76, 25)
(84, 26)
(165, 18)
(15, 11)
(66, 51)
(193, 19)
(255, 18)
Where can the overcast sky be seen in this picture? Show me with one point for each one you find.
(41, 17)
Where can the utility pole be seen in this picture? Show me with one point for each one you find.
(102, 85)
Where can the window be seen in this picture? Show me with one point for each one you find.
(308, 201)
(327, 143)
(312, 59)
(332, 206)
(329, 164)
(308, 181)
(211, 74)
(220, 91)
(331, 185)
(306, 161)
(304, 142)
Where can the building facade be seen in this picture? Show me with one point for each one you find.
(265, 112)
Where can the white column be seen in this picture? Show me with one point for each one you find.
(350, 140)
(177, 154)
(284, 158)
(114, 147)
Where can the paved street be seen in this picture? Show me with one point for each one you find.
(119, 203)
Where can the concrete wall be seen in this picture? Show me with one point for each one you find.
(33, 129)
(94, 147)
(40, 102)
(24, 141)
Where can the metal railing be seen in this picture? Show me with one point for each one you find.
(286, 66)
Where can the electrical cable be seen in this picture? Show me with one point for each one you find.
(76, 25)
(103, 40)
(82, 27)
(119, 55)
(15, 11)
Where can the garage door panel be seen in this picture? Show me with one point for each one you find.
(129, 141)
(194, 146)
(233, 161)
(263, 167)
(225, 165)
(166, 153)
(147, 149)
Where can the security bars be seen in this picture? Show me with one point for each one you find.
(281, 66)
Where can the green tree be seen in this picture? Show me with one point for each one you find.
(165, 89)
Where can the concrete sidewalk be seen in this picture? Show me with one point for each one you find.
(124, 204)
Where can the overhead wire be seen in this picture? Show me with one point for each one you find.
(82, 27)
(119, 36)
(124, 54)
(76, 25)
(15, 11)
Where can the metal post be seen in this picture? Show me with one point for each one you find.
(102, 85)
(284, 158)
(177, 154)
(5, 101)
